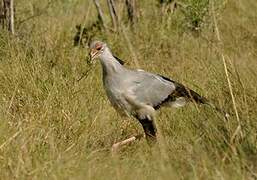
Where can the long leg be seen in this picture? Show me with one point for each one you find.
(150, 134)
(145, 115)
(149, 129)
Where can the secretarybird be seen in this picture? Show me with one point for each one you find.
(138, 93)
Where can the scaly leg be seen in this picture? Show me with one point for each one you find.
(149, 129)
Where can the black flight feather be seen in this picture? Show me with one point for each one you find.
(120, 61)
(182, 91)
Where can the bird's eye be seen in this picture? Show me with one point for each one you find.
(98, 48)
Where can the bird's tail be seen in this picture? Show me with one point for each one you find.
(182, 94)
(195, 97)
(221, 111)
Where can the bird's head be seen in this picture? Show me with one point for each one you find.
(96, 49)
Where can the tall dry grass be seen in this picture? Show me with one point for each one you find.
(54, 126)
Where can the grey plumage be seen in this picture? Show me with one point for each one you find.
(138, 93)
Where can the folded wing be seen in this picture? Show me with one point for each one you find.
(157, 91)
(150, 89)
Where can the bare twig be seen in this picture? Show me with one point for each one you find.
(2, 14)
(10, 139)
(8, 14)
(85, 74)
(131, 10)
(100, 13)
(113, 14)
(11, 17)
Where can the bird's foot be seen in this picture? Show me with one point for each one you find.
(116, 146)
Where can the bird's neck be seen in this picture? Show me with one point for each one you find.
(109, 64)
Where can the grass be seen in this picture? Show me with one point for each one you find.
(54, 126)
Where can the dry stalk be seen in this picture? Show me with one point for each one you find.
(113, 13)
(100, 13)
(130, 46)
(238, 129)
(10, 139)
